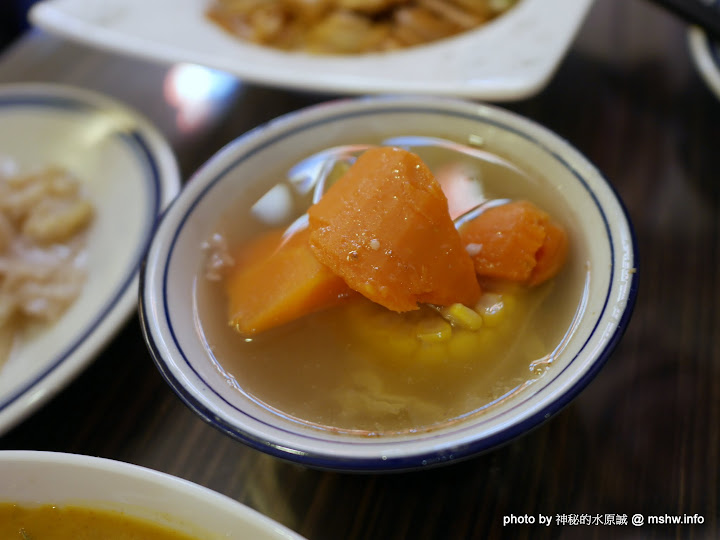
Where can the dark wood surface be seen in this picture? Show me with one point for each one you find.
(644, 437)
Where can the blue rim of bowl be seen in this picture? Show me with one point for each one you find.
(360, 464)
(141, 149)
(712, 45)
(714, 48)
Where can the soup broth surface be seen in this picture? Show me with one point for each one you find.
(360, 368)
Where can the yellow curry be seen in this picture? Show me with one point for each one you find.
(77, 523)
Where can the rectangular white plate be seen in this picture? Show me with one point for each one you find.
(509, 58)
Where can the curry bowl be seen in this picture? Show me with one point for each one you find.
(360, 387)
(54, 489)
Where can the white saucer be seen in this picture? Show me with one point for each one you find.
(130, 174)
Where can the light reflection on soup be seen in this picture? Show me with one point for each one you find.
(77, 523)
(361, 368)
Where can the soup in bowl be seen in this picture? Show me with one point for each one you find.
(76, 497)
(388, 283)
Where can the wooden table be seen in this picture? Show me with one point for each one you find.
(644, 437)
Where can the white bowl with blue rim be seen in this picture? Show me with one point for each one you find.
(32, 479)
(605, 254)
(130, 174)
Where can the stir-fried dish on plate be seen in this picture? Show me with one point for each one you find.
(351, 26)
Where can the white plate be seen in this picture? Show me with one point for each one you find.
(38, 478)
(706, 56)
(510, 58)
(130, 174)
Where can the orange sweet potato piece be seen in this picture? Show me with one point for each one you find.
(516, 242)
(384, 227)
(274, 283)
(552, 254)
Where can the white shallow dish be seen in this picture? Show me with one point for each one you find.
(511, 58)
(705, 54)
(31, 478)
(130, 175)
(174, 258)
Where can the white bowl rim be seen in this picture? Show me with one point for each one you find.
(462, 447)
(165, 184)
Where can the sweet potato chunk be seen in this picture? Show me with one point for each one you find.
(552, 254)
(274, 283)
(385, 228)
(516, 242)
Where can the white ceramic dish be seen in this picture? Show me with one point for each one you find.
(130, 174)
(32, 478)
(706, 56)
(511, 58)
(174, 260)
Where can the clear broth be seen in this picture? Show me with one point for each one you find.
(352, 369)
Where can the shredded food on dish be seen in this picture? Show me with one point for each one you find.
(44, 218)
(351, 26)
